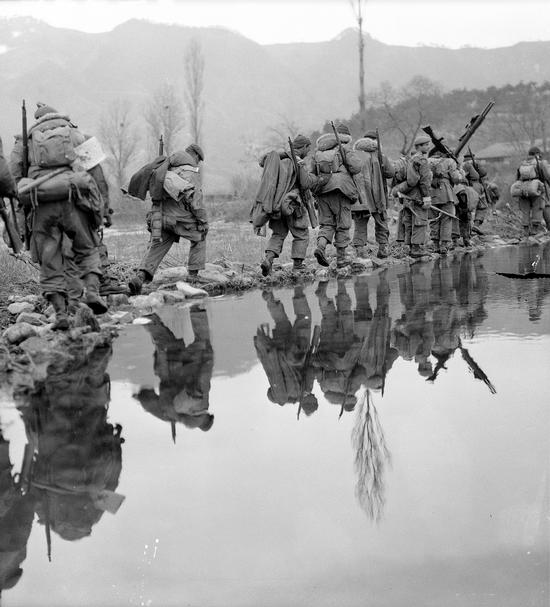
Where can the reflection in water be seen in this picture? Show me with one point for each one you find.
(185, 372)
(72, 460)
(371, 456)
(534, 292)
(358, 344)
(16, 517)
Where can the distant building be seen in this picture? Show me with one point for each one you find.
(505, 153)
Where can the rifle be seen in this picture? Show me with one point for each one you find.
(312, 348)
(161, 146)
(305, 197)
(40, 180)
(346, 165)
(381, 163)
(25, 137)
(438, 143)
(471, 128)
(11, 227)
(475, 368)
(431, 206)
(341, 149)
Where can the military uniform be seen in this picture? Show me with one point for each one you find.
(373, 179)
(416, 190)
(289, 212)
(476, 177)
(184, 370)
(335, 191)
(171, 219)
(445, 175)
(75, 215)
(284, 353)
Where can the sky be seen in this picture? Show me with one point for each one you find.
(450, 23)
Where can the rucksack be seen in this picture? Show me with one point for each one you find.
(528, 170)
(53, 147)
(327, 161)
(530, 189)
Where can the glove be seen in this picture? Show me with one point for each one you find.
(426, 201)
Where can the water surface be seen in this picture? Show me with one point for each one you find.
(376, 441)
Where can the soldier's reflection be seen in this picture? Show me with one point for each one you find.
(74, 457)
(413, 333)
(533, 292)
(185, 372)
(286, 352)
(16, 517)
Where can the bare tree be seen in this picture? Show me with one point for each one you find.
(371, 457)
(278, 134)
(165, 115)
(525, 116)
(119, 136)
(407, 109)
(194, 85)
(357, 6)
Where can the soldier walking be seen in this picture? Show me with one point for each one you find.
(288, 211)
(373, 179)
(414, 193)
(67, 206)
(174, 184)
(444, 175)
(331, 179)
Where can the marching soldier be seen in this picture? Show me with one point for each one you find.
(373, 178)
(445, 176)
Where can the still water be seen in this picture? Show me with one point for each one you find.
(377, 441)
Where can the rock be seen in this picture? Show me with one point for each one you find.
(361, 263)
(19, 332)
(118, 299)
(210, 276)
(147, 301)
(190, 291)
(44, 329)
(172, 297)
(20, 306)
(35, 344)
(49, 311)
(212, 267)
(122, 317)
(141, 320)
(33, 299)
(171, 274)
(33, 318)
(84, 317)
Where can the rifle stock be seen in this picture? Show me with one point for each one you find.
(438, 143)
(161, 146)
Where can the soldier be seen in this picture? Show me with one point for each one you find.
(174, 184)
(286, 353)
(291, 216)
(184, 370)
(336, 191)
(414, 193)
(67, 205)
(476, 177)
(444, 176)
(531, 191)
(467, 200)
(543, 173)
(373, 179)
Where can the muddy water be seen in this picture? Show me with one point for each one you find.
(378, 441)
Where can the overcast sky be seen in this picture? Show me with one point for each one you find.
(451, 23)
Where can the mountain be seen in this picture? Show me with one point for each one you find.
(248, 87)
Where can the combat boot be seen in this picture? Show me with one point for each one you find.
(319, 252)
(267, 263)
(298, 264)
(383, 251)
(417, 251)
(59, 304)
(476, 229)
(93, 299)
(342, 258)
(135, 283)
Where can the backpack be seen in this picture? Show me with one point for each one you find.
(530, 189)
(327, 161)
(528, 170)
(52, 142)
